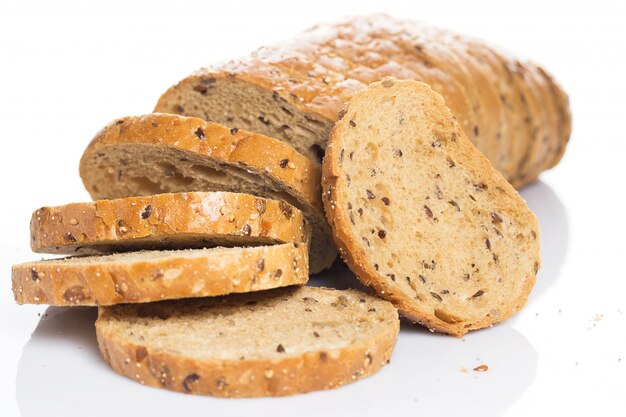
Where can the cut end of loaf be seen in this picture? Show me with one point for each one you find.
(422, 216)
(273, 343)
(234, 101)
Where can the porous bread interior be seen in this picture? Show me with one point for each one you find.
(138, 256)
(160, 242)
(242, 105)
(430, 222)
(157, 170)
(263, 325)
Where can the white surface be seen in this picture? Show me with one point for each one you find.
(67, 68)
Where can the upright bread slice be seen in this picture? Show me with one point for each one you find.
(420, 214)
(165, 221)
(274, 343)
(139, 277)
(159, 153)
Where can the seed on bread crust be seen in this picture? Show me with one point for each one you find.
(199, 133)
(189, 382)
(75, 295)
(147, 211)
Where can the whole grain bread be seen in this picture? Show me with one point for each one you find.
(419, 214)
(145, 276)
(294, 91)
(161, 153)
(170, 221)
(274, 343)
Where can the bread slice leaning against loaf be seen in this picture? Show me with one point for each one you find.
(139, 277)
(166, 221)
(419, 214)
(272, 343)
(161, 153)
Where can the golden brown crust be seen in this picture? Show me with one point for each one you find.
(512, 110)
(534, 153)
(325, 66)
(194, 219)
(380, 48)
(294, 374)
(170, 276)
(561, 102)
(491, 109)
(350, 249)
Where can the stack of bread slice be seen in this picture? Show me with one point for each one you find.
(193, 212)
(201, 237)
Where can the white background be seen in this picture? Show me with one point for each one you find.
(69, 67)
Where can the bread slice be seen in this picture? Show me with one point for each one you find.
(165, 221)
(271, 343)
(160, 153)
(138, 277)
(420, 214)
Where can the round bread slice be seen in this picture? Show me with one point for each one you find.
(165, 221)
(271, 343)
(139, 277)
(419, 214)
(162, 153)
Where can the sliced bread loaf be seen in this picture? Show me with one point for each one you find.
(160, 153)
(273, 343)
(420, 214)
(137, 277)
(165, 221)
(294, 90)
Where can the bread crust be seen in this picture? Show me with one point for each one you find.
(171, 276)
(513, 111)
(321, 69)
(292, 374)
(272, 162)
(187, 220)
(558, 115)
(350, 248)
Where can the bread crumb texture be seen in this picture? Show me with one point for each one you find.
(273, 343)
(420, 214)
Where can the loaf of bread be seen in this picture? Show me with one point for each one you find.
(164, 153)
(420, 215)
(145, 276)
(512, 110)
(170, 221)
(272, 343)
